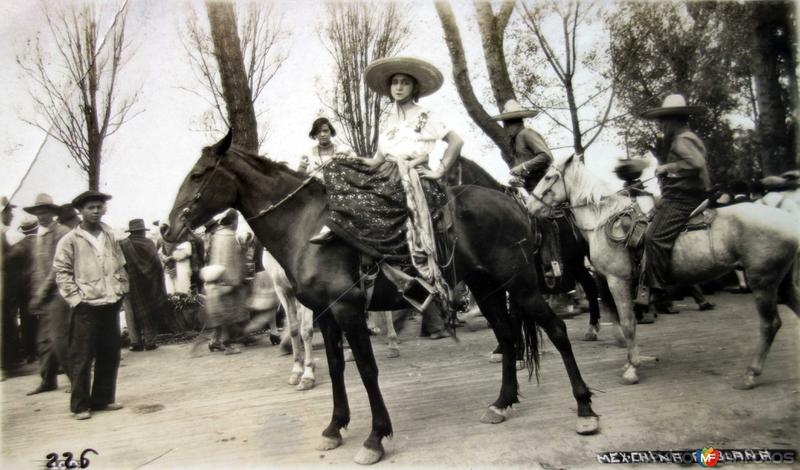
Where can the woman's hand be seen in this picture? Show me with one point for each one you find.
(430, 174)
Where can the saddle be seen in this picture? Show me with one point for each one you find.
(628, 226)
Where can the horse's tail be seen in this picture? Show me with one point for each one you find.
(789, 289)
(529, 342)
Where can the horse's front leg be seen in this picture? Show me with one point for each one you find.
(391, 335)
(355, 329)
(332, 335)
(308, 378)
(621, 291)
(289, 303)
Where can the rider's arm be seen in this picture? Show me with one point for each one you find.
(690, 157)
(454, 145)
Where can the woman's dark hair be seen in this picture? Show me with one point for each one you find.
(317, 126)
(415, 91)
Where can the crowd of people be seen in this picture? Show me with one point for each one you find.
(67, 275)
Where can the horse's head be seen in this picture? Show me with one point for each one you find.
(207, 190)
(551, 191)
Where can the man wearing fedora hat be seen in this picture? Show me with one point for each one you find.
(91, 277)
(147, 294)
(684, 181)
(52, 311)
(530, 151)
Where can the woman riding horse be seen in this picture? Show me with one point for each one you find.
(397, 181)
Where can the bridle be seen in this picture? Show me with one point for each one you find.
(549, 190)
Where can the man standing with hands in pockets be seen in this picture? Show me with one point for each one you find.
(91, 277)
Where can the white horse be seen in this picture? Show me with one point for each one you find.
(301, 327)
(760, 240)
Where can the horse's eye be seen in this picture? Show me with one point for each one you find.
(196, 176)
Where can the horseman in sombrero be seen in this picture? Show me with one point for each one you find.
(530, 152)
(683, 178)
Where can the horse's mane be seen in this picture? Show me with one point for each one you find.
(585, 188)
(268, 166)
(475, 174)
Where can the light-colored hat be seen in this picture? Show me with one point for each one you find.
(512, 110)
(43, 202)
(29, 225)
(5, 204)
(673, 105)
(379, 72)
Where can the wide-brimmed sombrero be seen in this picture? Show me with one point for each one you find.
(673, 105)
(512, 110)
(42, 203)
(379, 72)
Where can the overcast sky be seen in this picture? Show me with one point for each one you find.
(145, 162)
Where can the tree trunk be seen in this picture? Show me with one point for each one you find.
(577, 138)
(776, 155)
(235, 88)
(479, 115)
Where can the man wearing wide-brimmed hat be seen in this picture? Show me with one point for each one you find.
(52, 336)
(529, 150)
(147, 296)
(91, 277)
(683, 178)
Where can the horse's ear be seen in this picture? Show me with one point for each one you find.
(568, 161)
(223, 145)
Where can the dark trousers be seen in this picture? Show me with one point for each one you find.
(28, 329)
(671, 214)
(52, 340)
(9, 345)
(94, 337)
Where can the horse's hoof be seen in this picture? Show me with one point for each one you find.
(392, 353)
(329, 443)
(493, 415)
(306, 384)
(494, 357)
(587, 425)
(367, 456)
(629, 377)
(348, 356)
(294, 379)
(590, 335)
(747, 383)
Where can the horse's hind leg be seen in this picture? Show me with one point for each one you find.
(621, 290)
(535, 308)
(492, 302)
(766, 303)
(332, 335)
(590, 288)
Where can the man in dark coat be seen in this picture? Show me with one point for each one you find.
(147, 296)
(53, 312)
(684, 181)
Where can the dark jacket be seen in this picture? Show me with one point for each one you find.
(685, 163)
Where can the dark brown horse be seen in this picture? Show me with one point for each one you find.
(573, 246)
(285, 210)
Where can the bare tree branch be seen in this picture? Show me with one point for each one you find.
(75, 92)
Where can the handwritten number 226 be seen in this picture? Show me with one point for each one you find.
(52, 459)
